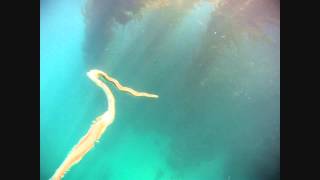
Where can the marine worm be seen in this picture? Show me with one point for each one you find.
(99, 125)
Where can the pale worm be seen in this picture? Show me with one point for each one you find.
(100, 124)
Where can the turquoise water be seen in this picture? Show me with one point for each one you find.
(218, 115)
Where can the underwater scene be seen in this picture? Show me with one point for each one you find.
(160, 89)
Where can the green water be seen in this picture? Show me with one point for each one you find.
(218, 115)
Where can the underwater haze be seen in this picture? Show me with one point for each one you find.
(214, 64)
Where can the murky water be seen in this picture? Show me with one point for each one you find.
(218, 115)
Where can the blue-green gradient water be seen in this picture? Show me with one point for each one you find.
(218, 115)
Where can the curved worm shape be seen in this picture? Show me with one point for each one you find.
(98, 126)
